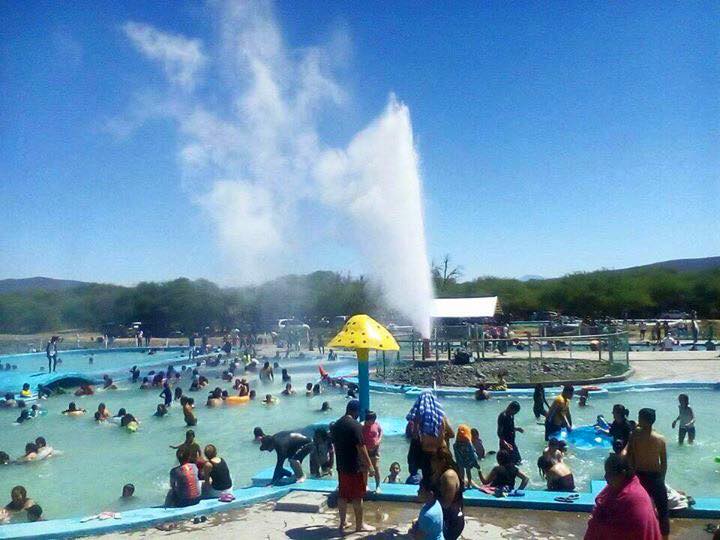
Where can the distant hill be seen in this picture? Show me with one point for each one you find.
(37, 283)
(682, 265)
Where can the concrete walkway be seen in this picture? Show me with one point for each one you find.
(391, 521)
(675, 366)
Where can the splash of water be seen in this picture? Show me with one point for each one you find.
(253, 155)
(376, 179)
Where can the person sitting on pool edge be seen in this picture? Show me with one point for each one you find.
(558, 475)
(504, 474)
(216, 474)
(184, 483)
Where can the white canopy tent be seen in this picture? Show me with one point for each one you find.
(464, 308)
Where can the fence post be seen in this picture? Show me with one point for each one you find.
(412, 339)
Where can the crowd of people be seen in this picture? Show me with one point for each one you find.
(444, 462)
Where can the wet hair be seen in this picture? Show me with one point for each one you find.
(210, 451)
(189, 435)
(122, 412)
(370, 416)
(31, 448)
(514, 406)
(544, 464)
(26, 386)
(129, 489)
(647, 415)
(98, 416)
(309, 386)
(72, 406)
(325, 406)
(34, 513)
(4, 458)
(395, 463)
(101, 406)
(474, 433)
(683, 398)
(252, 394)
(258, 432)
(568, 389)
(40, 442)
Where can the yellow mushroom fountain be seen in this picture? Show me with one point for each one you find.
(363, 333)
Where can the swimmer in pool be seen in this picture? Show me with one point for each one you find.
(84, 390)
(258, 434)
(104, 412)
(161, 410)
(9, 402)
(73, 410)
(252, 394)
(24, 416)
(288, 390)
(189, 415)
(26, 392)
(118, 417)
(325, 407)
(128, 491)
(178, 394)
(309, 389)
(166, 394)
(686, 418)
(269, 400)
(145, 384)
(19, 500)
(43, 450)
(108, 383)
(30, 453)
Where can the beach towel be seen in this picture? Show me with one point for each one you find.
(428, 414)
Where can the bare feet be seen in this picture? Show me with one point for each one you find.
(300, 480)
(364, 527)
(377, 489)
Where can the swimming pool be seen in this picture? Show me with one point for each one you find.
(97, 460)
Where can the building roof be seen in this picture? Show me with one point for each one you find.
(464, 308)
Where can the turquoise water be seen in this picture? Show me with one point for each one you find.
(104, 360)
(97, 460)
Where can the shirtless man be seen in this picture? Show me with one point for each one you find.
(558, 416)
(647, 456)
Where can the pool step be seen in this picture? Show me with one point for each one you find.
(303, 501)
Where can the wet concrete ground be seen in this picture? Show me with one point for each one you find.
(261, 522)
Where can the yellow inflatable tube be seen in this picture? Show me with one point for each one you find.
(237, 400)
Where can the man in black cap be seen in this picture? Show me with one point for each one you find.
(350, 454)
(648, 457)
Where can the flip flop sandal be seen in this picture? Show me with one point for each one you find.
(711, 528)
(564, 499)
(573, 496)
(516, 493)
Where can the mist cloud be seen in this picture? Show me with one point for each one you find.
(251, 149)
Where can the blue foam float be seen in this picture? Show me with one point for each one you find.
(584, 438)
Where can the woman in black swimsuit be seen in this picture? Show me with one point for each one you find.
(216, 474)
(558, 475)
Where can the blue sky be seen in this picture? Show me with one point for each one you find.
(552, 137)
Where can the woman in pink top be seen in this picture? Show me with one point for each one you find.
(372, 435)
(623, 509)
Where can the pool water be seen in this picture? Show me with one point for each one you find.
(103, 360)
(97, 460)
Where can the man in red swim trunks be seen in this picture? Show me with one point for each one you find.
(350, 453)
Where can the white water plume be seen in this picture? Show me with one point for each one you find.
(251, 148)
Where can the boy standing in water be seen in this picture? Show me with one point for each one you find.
(647, 455)
(686, 417)
(372, 436)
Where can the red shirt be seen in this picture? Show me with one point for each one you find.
(624, 514)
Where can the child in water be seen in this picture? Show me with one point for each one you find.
(477, 443)
(686, 418)
(187, 406)
(372, 436)
(394, 476)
